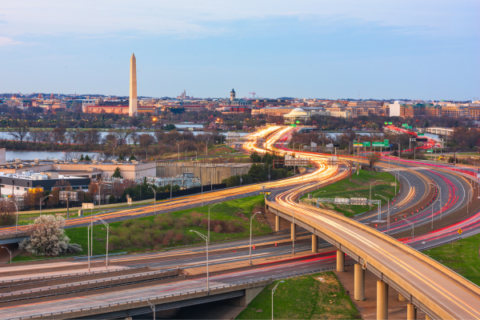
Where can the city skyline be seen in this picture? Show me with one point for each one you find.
(398, 50)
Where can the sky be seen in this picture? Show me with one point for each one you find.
(395, 49)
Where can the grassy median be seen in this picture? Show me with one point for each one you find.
(461, 256)
(317, 296)
(229, 220)
(358, 187)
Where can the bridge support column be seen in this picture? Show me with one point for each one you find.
(411, 312)
(293, 231)
(401, 298)
(314, 243)
(382, 300)
(277, 223)
(340, 261)
(359, 283)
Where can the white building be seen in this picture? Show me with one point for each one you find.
(87, 102)
(394, 109)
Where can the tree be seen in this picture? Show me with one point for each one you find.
(59, 135)
(87, 158)
(82, 158)
(48, 237)
(255, 157)
(145, 140)
(134, 138)
(373, 158)
(111, 199)
(20, 132)
(257, 173)
(7, 213)
(132, 157)
(117, 173)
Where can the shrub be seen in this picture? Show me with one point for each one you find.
(48, 237)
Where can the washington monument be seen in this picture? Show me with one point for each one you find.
(132, 107)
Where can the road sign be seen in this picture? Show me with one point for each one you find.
(380, 143)
(367, 144)
(430, 151)
(390, 123)
(88, 206)
(421, 134)
(459, 231)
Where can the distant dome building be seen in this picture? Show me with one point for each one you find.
(297, 114)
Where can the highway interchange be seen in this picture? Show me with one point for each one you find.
(413, 176)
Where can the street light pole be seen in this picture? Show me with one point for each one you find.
(152, 306)
(206, 241)
(388, 212)
(413, 228)
(16, 223)
(273, 291)
(250, 248)
(178, 151)
(41, 200)
(294, 233)
(106, 249)
(154, 200)
(433, 204)
(370, 204)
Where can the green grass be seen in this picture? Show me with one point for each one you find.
(358, 188)
(303, 297)
(461, 256)
(237, 210)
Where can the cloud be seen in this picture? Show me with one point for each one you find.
(214, 17)
(4, 41)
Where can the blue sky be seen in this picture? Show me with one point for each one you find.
(305, 48)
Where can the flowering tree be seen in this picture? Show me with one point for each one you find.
(48, 237)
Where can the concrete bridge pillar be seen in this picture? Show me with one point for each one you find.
(340, 261)
(359, 283)
(382, 300)
(293, 231)
(411, 312)
(314, 243)
(277, 223)
(401, 298)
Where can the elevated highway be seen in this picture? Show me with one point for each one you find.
(426, 284)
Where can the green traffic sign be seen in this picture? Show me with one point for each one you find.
(390, 123)
(430, 151)
(366, 144)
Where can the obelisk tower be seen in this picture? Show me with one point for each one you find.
(132, 107)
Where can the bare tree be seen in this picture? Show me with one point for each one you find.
(20, 133)
(373, 158)
(122, 136)
(7, 212)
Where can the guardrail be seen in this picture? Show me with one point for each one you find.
(139, 303)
